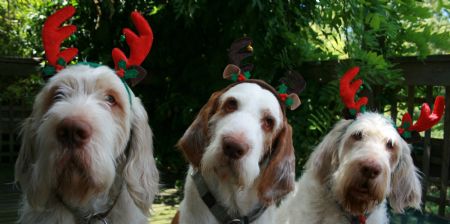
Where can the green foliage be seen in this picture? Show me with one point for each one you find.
(192, 37)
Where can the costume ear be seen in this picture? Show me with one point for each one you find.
(196, 137)
(406, 190)
(140, 171)
(278, 177)
(324, 159)
(294, 101)
(230, 71)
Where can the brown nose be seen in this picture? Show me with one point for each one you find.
(73, 132)
(370, 169)
(234, 148)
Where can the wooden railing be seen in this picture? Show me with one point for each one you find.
(435, 159)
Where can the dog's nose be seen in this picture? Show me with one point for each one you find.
(73, 132)
(234, 148)
(371, 169)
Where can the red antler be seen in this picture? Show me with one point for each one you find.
(348, 90)
(53, 35)
(139, 45)
(426, 119)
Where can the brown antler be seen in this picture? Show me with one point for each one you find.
(139, 45)
(53, 35)
(427, 119)
(348, 90)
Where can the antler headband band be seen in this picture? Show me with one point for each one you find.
(427, 119)
(126, 68)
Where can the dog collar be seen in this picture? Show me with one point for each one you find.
(218, 210)
(87, 217)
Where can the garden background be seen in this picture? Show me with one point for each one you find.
(189, 53)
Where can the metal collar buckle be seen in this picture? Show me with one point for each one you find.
(235, 221)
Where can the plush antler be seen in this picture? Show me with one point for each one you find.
(139, 45)
(239, 50)
(348, 90)
(53, 35)
(427, 119)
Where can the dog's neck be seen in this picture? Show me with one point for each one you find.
(226, 201)
(108, 200)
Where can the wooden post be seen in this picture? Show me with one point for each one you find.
(426, 154)
(445, 155)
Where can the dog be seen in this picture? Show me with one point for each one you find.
(87, 153)
(241, 157)
(358, 166)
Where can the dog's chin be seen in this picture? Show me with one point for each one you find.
(230, 172)
(360, 197)
(75, 181)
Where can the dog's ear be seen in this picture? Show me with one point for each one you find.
(196, 137)
(140, 171)
(324, 158)
(406, 190)
(34, 179)
(278, 177)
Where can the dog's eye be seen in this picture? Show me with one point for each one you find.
(110, 99)
(268, 123)
(59, 95)
(230, 105)
(357, 136)
(390, 145)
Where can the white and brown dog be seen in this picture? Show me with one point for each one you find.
(87, 151)
(241, 157)
(350, 174)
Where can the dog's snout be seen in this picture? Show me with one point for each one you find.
(234, 148)
(73, 132)
(370, 169)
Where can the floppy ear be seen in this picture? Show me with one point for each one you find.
(26, 156)
(34, 179)
(140, 173)
(406, 190)
(196, 137)
(278, 177)
(324, 158)
(26, 173)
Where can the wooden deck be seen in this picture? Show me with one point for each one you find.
(9, 203)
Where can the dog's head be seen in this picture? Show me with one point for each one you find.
(243, 138)
(77, 135)
(364, 161)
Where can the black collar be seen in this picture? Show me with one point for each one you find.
(217, 209)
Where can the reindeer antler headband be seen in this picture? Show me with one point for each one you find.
(427, 119)
(291, 84)
(126, 68)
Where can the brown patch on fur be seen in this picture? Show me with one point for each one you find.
(74, 182)
(277, 179)
(176, 218)
(196, 137)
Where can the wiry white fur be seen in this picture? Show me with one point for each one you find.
(41, 156)
(320, 193)
(233, 185)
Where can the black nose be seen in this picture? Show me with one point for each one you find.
(234, 148)
(72, 132)
(370, 170)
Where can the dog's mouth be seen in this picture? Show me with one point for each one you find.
(229, 171)
(362, 192)
(74, 181)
